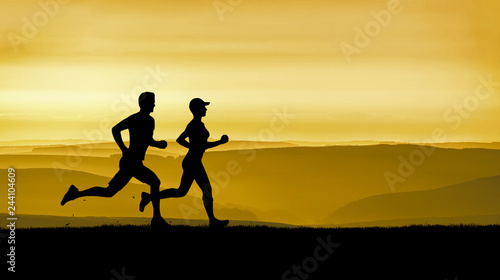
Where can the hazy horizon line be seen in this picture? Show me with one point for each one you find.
(23, 142)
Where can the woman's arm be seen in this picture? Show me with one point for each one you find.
(223, 140)
(182, 139)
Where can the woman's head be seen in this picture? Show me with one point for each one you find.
(198, 107)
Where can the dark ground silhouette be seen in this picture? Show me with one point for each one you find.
(182, 252)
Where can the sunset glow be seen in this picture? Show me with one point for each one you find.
(73, 64)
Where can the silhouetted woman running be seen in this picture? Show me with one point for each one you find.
(192, 165)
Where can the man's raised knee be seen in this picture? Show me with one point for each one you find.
(183, 192)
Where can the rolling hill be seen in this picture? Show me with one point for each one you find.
(107, 149)
(293, 185)
(39, 192)
(472, 198)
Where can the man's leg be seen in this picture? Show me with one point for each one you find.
(155, 189)
(110, 191)
(147, 176)
(115, 185)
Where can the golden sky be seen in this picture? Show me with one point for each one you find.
(70, 69)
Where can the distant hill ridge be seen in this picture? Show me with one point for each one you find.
(293, 185)
(477, 197)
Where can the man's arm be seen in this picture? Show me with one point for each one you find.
(117, 134)
(158, 144)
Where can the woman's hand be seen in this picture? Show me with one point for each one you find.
(224, 139)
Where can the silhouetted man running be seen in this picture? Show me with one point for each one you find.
(141, 126)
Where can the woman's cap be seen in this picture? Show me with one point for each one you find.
(197, 103)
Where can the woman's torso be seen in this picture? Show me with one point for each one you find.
(198, 138)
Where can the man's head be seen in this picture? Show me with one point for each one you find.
(197, 107)
(147, 101)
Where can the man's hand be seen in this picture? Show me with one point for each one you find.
(224, 139)
(162, 144)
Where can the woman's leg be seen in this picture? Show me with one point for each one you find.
(203, 182)
(186, 182)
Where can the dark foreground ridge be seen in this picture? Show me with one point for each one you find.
(243, 252)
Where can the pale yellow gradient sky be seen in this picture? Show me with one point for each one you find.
(85, 62)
